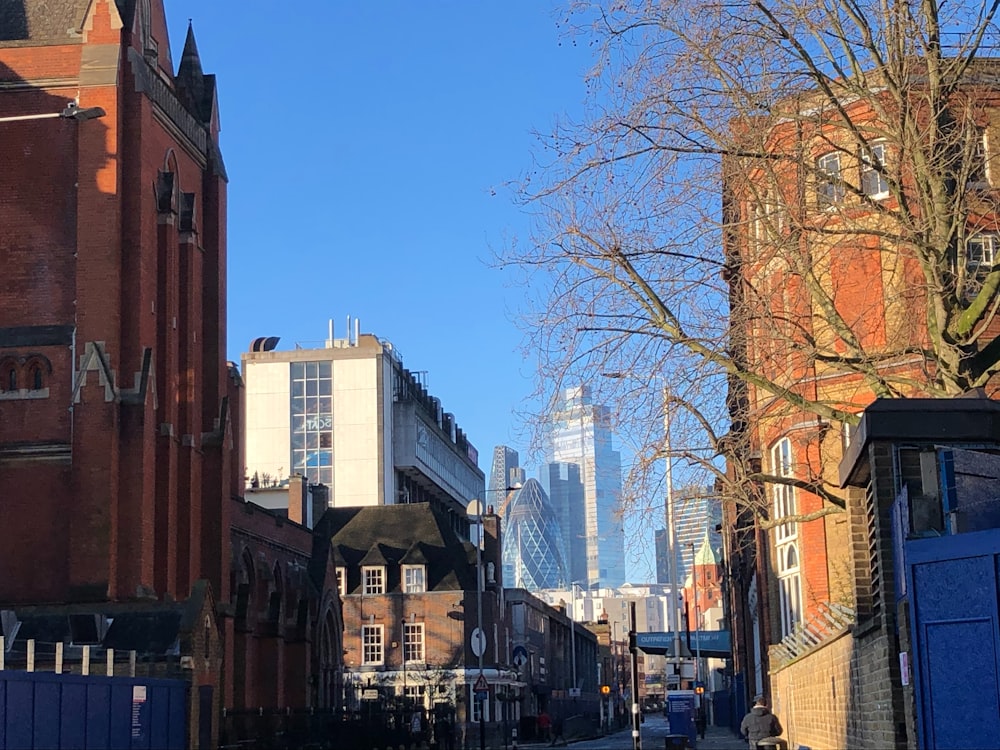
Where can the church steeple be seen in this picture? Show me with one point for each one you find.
(191, 84)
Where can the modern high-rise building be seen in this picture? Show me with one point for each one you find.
(695, 515)
(532, 542)
(565, 491)
(580, 434)
(505, 473)
(350, 416)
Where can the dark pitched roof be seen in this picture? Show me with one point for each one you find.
(403, 533)
(25, 23)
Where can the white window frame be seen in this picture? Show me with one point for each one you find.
(413, 642)
(783, 495)
(372, 644)
(987, 254)
(414, 579)
(979, 170)
(485, 704)
(416, 694)
(786, 539)
(789, 587)
(829, 185)
(373, 579)
(342, 581)
(869, 174)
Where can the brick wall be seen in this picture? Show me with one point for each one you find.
(840, 695)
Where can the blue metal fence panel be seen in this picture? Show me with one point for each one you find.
(955, 624)
(73, 718)
(47, 708)
(20, 709)
(176, 737)
(97, 711)
(46, 711)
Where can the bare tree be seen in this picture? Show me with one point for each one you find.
(772, 209)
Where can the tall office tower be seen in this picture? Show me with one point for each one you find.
(505, 473)
(565, 491)
(695, 515)
(580, 434)
(350, 416)
(532, 554)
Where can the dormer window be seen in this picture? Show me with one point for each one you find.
(414, 579)
(374, 579)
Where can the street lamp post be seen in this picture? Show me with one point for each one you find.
(71, 112)
(697, 619)
(474, 511)
(669, 519)
(671, 534)
(572, 631)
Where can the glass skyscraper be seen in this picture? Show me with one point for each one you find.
(696, 514)
(505, 473)
(532, 555)
(580, 434)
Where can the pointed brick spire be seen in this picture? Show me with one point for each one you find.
(191, 79)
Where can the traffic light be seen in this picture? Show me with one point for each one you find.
(699, 690)
(605, 689)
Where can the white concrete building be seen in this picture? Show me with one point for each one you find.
(350, 416)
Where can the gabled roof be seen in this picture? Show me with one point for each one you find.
(412, 533)
(26, 23)
(377, 556)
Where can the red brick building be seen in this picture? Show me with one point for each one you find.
(120, 445)
(830, 268)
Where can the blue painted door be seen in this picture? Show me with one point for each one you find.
(955, 634)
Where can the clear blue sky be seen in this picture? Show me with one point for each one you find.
(368, 146)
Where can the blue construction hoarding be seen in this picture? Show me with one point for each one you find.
(57, 712)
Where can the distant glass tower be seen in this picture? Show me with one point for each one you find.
(532, 558)
(562, 483)
(696, 514)
(580, 434)
(506, 472)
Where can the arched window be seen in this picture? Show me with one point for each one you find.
(274, 599)
(786, 539)
(10, 378)
(35, 377)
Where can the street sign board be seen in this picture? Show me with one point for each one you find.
(370, 694)
(710, 642)
(478, 642)
(574, 692)
(481, 685)
(520, 656)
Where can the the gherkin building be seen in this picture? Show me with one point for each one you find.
(532, 555)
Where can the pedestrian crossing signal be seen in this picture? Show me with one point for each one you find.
(605, 689)
(699, 690)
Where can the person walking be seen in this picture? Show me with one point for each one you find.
(759, 723)
(544, 725)
(557, 731)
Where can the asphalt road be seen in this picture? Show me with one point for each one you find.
(652, 733)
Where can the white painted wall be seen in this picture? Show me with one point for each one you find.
(268, 421)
